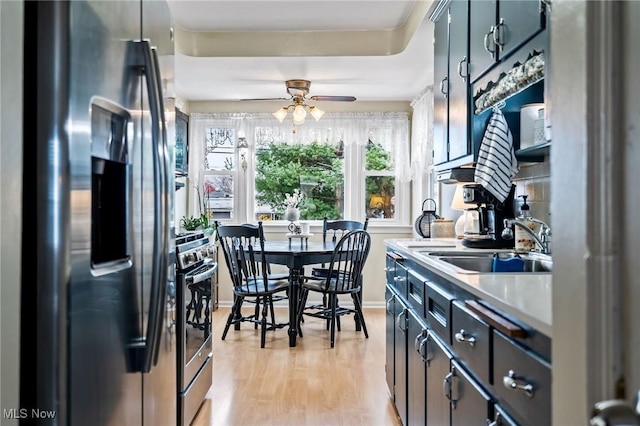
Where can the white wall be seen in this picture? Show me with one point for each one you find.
(11, 18)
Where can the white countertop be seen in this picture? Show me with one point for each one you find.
(526, 296)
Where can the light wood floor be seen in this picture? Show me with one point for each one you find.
(310, 384)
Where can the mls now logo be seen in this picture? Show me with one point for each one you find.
(23, 413)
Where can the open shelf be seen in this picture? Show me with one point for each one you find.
(535, 153)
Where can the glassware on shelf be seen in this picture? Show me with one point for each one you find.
(516, 79)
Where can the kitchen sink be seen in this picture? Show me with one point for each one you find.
(482, 262)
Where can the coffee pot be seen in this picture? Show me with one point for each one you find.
(484, 217)
(480, 222)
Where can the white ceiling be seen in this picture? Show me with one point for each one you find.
(375, 50)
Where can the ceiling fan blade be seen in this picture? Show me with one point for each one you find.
(333, 98)
(267, 99)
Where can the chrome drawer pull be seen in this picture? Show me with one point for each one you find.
(463, 337)
(511, 382)
(497, 420)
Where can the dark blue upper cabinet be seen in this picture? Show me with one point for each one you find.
(482, 48)
(474, 39)
(458, 79)
(451, 97)
(440, 92)
(498, 28)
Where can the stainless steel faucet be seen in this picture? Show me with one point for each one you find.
(541, 238)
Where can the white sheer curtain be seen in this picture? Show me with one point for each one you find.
(422, 134)
(350, 128)
(422, 149)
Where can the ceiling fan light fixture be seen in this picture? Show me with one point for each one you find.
(298, 120)
(316, 112)
(299, 113)
(280, 114)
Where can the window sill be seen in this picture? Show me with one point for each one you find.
(374, 227)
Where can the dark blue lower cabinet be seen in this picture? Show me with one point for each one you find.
(390, 325)
(470, 403)
(400, 359)
(417, 370)
(438, 362)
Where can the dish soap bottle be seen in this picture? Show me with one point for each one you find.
(524, 242)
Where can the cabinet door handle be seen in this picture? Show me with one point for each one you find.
(463, 76)
(447, 385)
(424, 350)
(398, 279)
(444, 82)
(464, 337)
(399, 320)
(390, 269)
(487, 42)
(389, 304)
(498, 35)
(448, 388)
(614, 412)
(416, 342)
(511, 381)
(545, 5)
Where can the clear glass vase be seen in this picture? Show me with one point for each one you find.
(292, 214)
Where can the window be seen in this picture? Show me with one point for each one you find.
(346, 166)
(316, 169)
(380, 181)
(219, 173)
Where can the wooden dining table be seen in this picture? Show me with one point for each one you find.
(296, 254)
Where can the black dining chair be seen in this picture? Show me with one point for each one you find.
(332, 230)
(243, 248)
(344, 276)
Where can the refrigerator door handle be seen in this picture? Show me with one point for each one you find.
(161, 198)
(163, 149)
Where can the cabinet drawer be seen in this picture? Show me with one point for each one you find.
(522, 381)
(396, 273)
(471, 341)
(438, 310)
(390, 266)
(415, 293)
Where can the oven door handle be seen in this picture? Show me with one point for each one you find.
(196, 278)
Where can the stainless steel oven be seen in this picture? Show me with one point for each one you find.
(196, 270)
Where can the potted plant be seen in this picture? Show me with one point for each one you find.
(190, 223)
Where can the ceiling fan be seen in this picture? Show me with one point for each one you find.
(298, 91)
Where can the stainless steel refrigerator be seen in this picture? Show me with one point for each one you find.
(98, 295)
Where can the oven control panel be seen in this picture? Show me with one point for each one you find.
(188, 258)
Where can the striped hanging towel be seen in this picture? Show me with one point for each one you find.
(497, 163)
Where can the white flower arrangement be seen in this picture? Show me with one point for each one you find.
(293, 201)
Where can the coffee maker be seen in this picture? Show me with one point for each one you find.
(484, 217)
